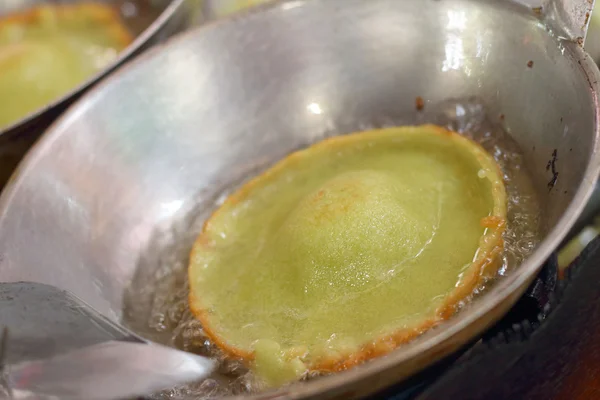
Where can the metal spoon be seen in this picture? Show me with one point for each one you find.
(61, 348)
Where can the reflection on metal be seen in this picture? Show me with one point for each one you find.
(108, 370)
(315, 108)
(569, 17)
(454, 53)
(222, 8)
(247, 106)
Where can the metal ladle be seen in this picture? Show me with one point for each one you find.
(102, 361)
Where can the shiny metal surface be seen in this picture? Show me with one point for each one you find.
(56, 346)
(182, 123)
(152, 22)
(110, 370)
(213, 9)
(40, 321)
(571, 18)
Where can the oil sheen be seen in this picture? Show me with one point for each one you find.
(157, 307)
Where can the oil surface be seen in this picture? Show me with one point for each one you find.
(156, 304)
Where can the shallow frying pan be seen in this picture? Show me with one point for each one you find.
(148, 20)
(106, 195)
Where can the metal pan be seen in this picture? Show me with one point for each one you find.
(149, 20)
(110, 185)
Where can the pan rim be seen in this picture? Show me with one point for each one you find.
(136, 45)
(426, 351)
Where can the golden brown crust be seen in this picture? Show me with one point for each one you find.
(200, 314)
(472, 278)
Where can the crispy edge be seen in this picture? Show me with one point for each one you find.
(473, 277)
